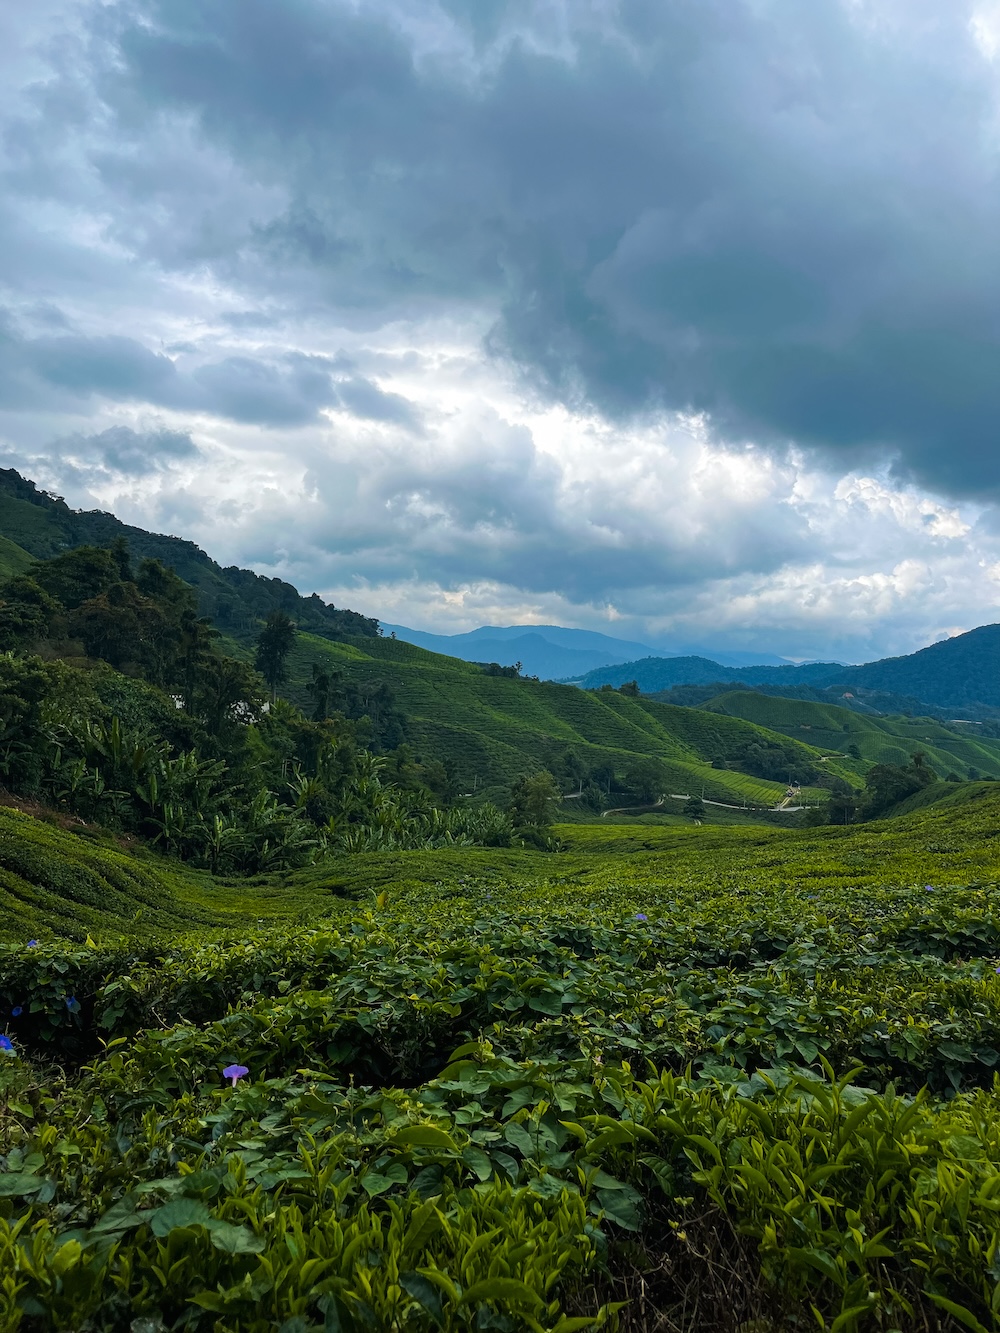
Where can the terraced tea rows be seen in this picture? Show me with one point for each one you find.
(738, 1075)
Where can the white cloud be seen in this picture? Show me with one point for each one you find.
(318, 293)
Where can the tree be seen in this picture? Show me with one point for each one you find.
(694, 808)
(194, 649)
(842, 807)
(26, 613)
(322, 688)
(630, 689)
(886, 784)
(644, 778)
(227, 693)
(78, 576)
(274, 643)
(534, 800)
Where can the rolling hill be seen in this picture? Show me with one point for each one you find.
(554, 652)
(39, 526)
(879, 740)
(14, 559)
(959, 674)
(491, 729)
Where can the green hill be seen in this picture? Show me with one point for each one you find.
(235, 599)
(879, 740)
(487, 729)
(957, 674)
(491, 729)
(13, 559)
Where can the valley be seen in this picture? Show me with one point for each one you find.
(349, 986)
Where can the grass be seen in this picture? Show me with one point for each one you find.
(880, 740)
(56, 883)
(492, 729)
(13, 559)
(669, 1078)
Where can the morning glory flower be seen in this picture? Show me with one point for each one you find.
(72, 1004)
(929, 888)
(32, 944)
(16, 1011)
(6, 1044)
(234, 1073)
(641, 916)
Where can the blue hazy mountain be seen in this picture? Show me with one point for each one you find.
(555, 652)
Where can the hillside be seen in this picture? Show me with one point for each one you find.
(490, 729)
(470, 1060)
(236, 599)
(468, 730)
(68, 883)
(14, 559)
(879, 740)
(950, 674)
(657, 673)
(959, 674)
(487, 730)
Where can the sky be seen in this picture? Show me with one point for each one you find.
(675, 319)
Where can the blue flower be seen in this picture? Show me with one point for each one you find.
(72, 1004)
(16, 1012)
(6, 1044)
(929, 888)
(235, 1072)
(641, 916)
(32, 944)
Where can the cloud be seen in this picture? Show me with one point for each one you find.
(779, 215)
(680, 313)
(274, 387)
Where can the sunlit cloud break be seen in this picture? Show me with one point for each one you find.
(673, 320)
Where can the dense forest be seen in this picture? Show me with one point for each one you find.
(119, 707)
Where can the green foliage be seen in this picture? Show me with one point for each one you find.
(534, 801)
(14, 559)
(487, 1097)
(236, 599)
(876, 740)
(887, 785)
(274, 643)
(203, 773)
(491, 729)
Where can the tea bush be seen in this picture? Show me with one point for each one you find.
(743, 1079)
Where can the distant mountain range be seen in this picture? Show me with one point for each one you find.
(959, 674)
(958, 677)
(554, 652)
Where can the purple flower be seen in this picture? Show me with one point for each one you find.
(234, 1073)
(997, 971)
(6, 1044)
(929, 888)
(641, 916)
(32, 944)
(72, 1004)
(16, 1011)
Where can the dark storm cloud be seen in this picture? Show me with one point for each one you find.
(125, 451)
(785, 215)
(285, 389)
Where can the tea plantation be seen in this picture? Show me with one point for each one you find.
(672, 1079)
